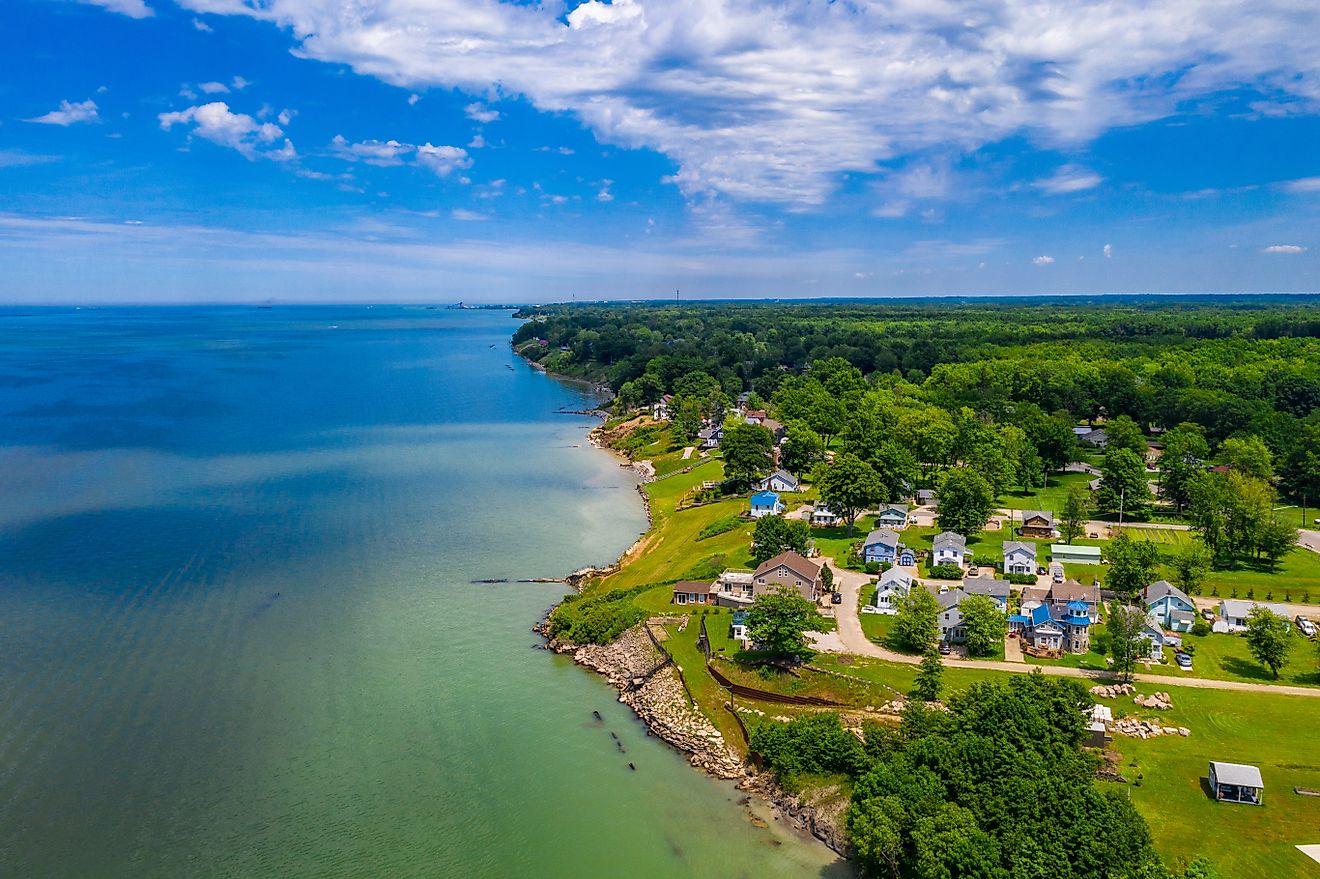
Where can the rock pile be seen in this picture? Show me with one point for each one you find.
(1112, 691)
(1160, 701)
(1137, 728)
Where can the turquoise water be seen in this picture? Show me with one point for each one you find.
(238, 632)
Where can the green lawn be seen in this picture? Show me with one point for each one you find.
(1297, 579)
(1051, 497)
(1226, 658)
(1276, 733)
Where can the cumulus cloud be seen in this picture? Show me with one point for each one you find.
(213, 88)
(131, 8)
(1042, 260)
(202, 26)
(238, 131)
(1306, 184)
(481, 113)
(70, 114)
(373, 152)
(1285, 248)
(1069, 178)
(775, 100)
(442, 160)
(1108, 251)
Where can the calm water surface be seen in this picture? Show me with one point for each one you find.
(238, 633)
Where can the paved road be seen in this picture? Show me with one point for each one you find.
(854, 641)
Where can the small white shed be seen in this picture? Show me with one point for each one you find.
(1236, 783)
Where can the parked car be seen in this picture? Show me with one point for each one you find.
(836, 598)
(1208, 615)
(1184, 661)
(1307, 627)
(1040, 571)
(944, 648)
(973, 571)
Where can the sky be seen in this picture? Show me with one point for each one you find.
(485, 151)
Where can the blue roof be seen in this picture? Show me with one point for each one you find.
(1040, 614)
(1080, 608)
(1019, 618)
(765, 499)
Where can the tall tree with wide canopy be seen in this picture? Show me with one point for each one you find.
(848, 486)
(966, 502)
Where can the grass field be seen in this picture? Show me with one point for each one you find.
(1051, 497)
(1226, 658)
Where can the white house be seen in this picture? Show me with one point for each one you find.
(766, 503)
(1019, 557)
(734, 589)
(1235, 612)
(823, 517)
(950, 618)
(949, 549)
(780, 480)
(892, 516)
(1169, 607)
(711, 437)
(894, 585)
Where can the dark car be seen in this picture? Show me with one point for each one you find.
(944, 648)
(836, 598)
(1042, 571)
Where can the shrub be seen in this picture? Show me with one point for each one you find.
(1200, 628)
(945, 572)
(981, 560)
(872, 567)
(719, 526)
(596, 619)
(1021, 579)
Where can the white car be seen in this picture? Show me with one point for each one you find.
(1307, 627)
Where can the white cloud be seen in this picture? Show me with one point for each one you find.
(1069, 178)
(70, 114)
(1285, 248)
(238, 131)
(774, 100)
(213, 88)
(20, 159)
(442, 160)
(239, 83)
(467, 216)
(413, 99)
(373, 152)
(1108, 251)
(1306, 184)
(285, 116)
(477, 142)
(202, 26)
(1042, 260)
(131, 8)
(605, 195)
(479, 112)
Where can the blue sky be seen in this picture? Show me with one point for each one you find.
(395, 150)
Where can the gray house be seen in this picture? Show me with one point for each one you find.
(1019, 557)
(949, 549)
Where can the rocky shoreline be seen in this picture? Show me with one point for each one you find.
(650, 685)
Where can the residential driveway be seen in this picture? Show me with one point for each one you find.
(854, 641)
(1012, 650)
(1309, 539)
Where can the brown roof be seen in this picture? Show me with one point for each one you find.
(804, 568)
(1071, 590)
(1038, 593)
(694, 587)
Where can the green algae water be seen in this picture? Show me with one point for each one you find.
(238, 630)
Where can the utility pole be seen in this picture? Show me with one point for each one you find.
(1122, 494)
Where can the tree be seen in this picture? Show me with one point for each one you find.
(916, 626)
(747, 450)
(875, 829)
(1123, 486)
(778, 621)
(1053, 439)
(930, 676)
(1189, 568)
(966, 502)
(848, 486)
(826, 578)
(1132, 564)
(1268, 639)
(1275, 539)
(1076, 511)
(802, 448)
(686, 414)
(1123, 433)
(775, 534)
(1124, 626)
(984, 623)
(1300, 470)
(897, 468)
(1185, 453)
(1249, 456)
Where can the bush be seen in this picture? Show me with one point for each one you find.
(945, 572)
(1200, 628)
(1189, 649)
(872, 567)
(812, 744)
(719, 526)
(1100, 641)
(981, 560)
(1021, 579)
(596, 619)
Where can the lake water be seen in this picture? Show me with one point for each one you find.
(238, 632)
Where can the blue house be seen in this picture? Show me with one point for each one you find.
(882, 545)
(1169, 606)
(893, 516)
(766, 503)
(1049, 628)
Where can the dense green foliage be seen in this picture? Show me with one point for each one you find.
(775, 534)
(596, 619)
(930, 676)
(1123, 627)
(1268, 639)
(746, 449)
(984, 623)
(720, 526)
(1132, 564)
(916, 624)
(810, 745)
(777, 623)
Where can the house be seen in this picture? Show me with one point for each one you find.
(1096, 439)
(892, 516)
(894, 584)
(1019, 557)
(823, 517)
(754, 416)
(949, 549)
(996, 590)
(950, 620)
(881, 545)
(1235, 612)
(1047, 629)
(1155, 640)
(927, 498)
(1154, 451)
(1038, 523)
(1081, 555)
(1033, 597)
(1062, 596)
(1237, 783)
(780, 480)
(660, 408)
(734, 589)
(791, 570)
(692, 592)
(776, 429)
(738, 630)
(710, 437)
(743, 399)
(1169, 607)
(766, 503)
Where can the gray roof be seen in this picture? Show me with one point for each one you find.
(987, 586)
(949, 538)
(949, 599)
(896, 574)
(1236, 607)
(1025, 546)
(898, 508)
(784, 475)
(1237, 773)
(885, 536)
(1160, 588)
(1033, 514)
